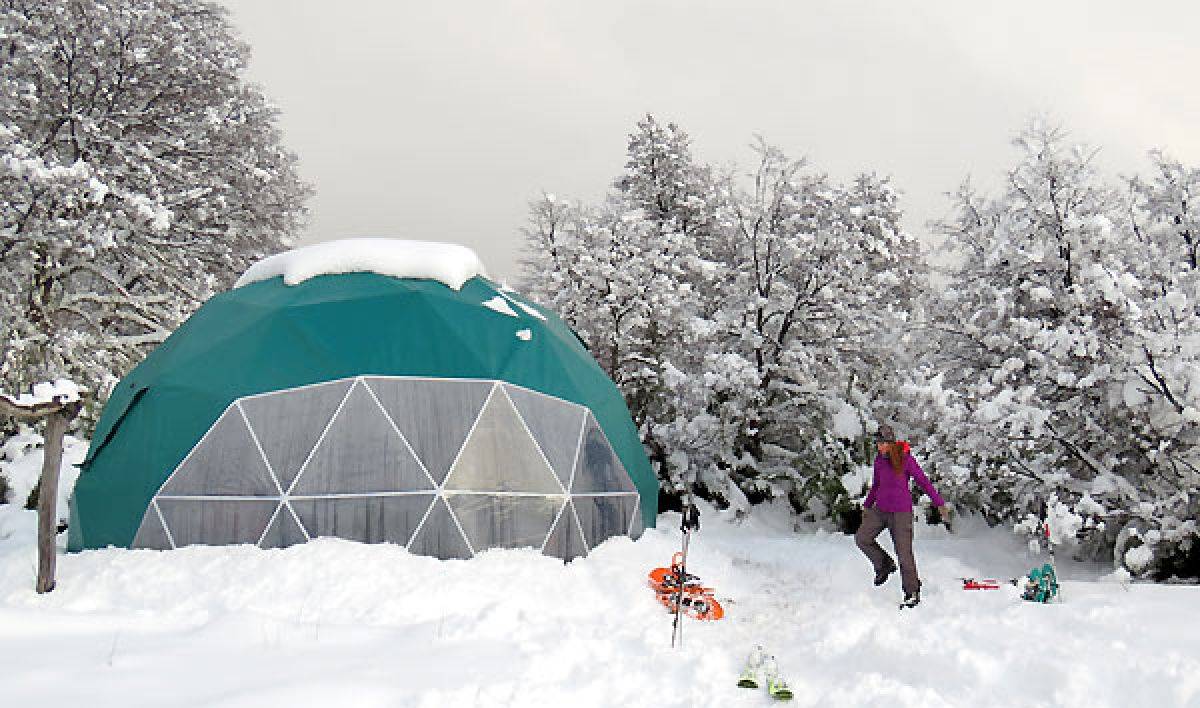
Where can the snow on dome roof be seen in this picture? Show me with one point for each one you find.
(448, 263)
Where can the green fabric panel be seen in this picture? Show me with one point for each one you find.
(269, 336)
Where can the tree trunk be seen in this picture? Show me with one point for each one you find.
(56, 428)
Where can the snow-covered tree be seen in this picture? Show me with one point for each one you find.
(1060, 360)
(739, 317)
(139, 173)
(623, 273)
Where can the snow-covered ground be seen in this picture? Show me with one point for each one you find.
(338, 623)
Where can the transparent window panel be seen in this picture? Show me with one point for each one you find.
(598, 468)
(289, 423)
(555, 426)
(505, 522)
(439, 536)
(364, 519)
(283, 532)
(434, 416)
(361, 453)
(216, 522)
(151, 533)
(225, 463)
(637, 526)
(604, 517)
(500, 456)
(565, 541)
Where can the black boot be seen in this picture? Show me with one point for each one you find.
(889, 567)
(911, 599)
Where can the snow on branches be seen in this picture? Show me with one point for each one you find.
(737, 315)
(139, 173)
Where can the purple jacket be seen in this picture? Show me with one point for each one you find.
(889, 491)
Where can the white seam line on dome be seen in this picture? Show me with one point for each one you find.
(583, 539)
(536, 445)
(502, 493)
(216, 497)
(296, 518)
(270, 521)
(258, 446)
(321, 438)
(604, 494)
(578, 448)
(535, 392)
(467, 440)
(421, 523)
(454, 518)
(396, 428)
(364, 495)
(162, 520)
(554, 524)
(297, 388)
(637, 511)
(158, 492)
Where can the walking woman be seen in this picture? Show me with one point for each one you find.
(889, 504)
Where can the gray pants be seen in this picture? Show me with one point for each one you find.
(900, 525)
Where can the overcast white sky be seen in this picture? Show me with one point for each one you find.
(442, 120)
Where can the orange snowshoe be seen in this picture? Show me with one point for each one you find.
(698, 601)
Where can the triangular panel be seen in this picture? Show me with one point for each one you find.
(151, 533)
(225, 463)
(434, 416)
(283, 531)
(598, 469)
(289, 423)
(565, 540)
(555, 426)
(381, 519)
(604, 517)
(216, 522)
(439, 535)
(361, 453)
(500, 455)
(492, 521)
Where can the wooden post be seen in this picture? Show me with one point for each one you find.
(56, 428)
(57, 414)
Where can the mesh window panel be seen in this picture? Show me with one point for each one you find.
(555, 426)
(604, 517)
(361, 453)
(288, 423)
(500, 456)
(637, 527)
(505, 522)
(225, 463)
(598, 468)
(439, 536)
(151, 533)
(435, 416)
(565, 540)
(284, 531)
(364, 519)
(216, 522)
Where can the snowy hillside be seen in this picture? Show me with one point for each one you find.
(338, 623)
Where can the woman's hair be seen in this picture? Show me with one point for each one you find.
(896, 451)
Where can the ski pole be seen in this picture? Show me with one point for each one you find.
(689, 521)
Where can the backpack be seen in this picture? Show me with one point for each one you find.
(1041, 585)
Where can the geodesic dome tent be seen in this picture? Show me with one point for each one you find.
(438, 412)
